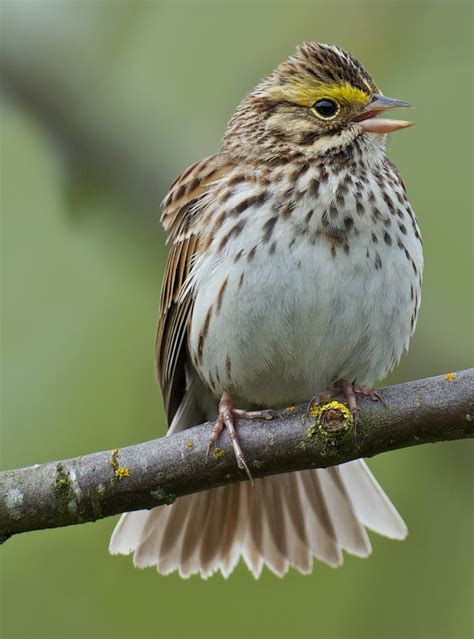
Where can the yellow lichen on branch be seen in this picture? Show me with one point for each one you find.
(120, 472)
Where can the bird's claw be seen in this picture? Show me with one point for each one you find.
(226, 418)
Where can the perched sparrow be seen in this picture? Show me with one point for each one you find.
(295, 266)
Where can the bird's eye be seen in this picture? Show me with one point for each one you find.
(325, 108)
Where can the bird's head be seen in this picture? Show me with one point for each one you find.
(319, 99)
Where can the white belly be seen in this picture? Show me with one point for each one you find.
(301, 317)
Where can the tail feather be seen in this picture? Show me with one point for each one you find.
(269, 550)
(209, 555)
(193, 535)
(371, 504)
(274, 515)
(294, 507)
(172, 540)
(350, 534)
(253, 540)
(148, 547)
(299, 554)
(322, 536)
(127, 533)
(231, 544)
(282, 521)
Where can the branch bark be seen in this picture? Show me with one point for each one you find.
(98, 485)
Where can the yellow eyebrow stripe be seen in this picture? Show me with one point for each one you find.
(306, 94)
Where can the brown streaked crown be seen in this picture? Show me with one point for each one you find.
(327, 64)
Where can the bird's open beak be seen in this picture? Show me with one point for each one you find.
(369, 121)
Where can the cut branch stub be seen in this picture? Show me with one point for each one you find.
(331, 419)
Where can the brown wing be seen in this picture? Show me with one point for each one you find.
(181, 210)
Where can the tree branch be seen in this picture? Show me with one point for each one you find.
(91, 487)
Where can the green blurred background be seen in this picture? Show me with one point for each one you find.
(103, 104)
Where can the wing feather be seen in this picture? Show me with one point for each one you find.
(182, 208)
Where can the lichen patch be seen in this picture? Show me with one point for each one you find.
(120, 472)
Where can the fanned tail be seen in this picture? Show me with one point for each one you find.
(282, 521)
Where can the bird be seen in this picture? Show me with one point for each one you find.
(294, 272)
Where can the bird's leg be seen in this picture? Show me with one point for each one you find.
(216, 431)
(350, 391)
(226, 418)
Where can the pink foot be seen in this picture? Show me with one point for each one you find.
(226, 418)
